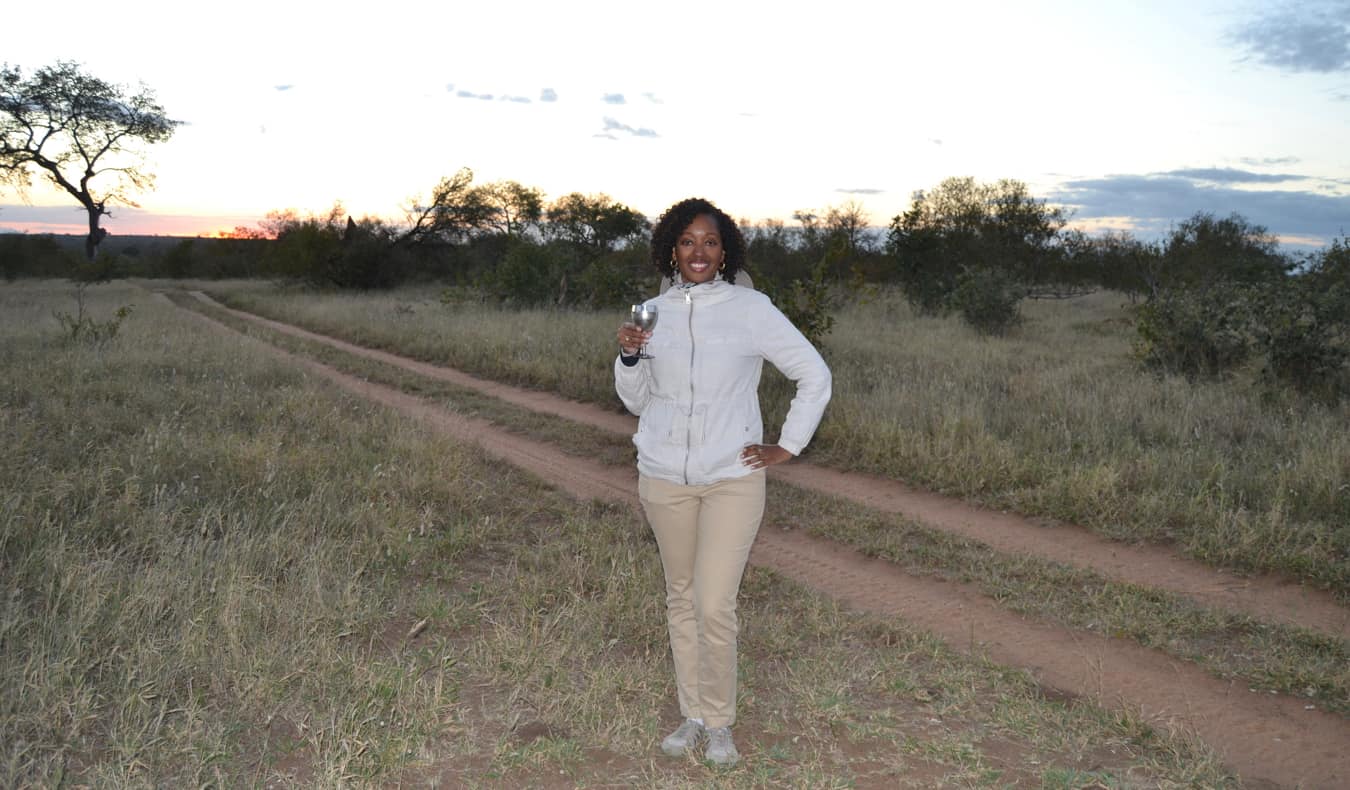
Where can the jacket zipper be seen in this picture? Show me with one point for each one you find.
(689, 424)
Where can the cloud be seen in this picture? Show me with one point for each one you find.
(1227, 175)
(653, 98)
(613, 98)
(1269, 160)
(1311, 36)
(548, 95)
(611, 126)
(861, 191)
(283, 88)
(43, 219)
(1157, 201)
(125, 221)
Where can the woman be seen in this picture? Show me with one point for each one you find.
(701, 457)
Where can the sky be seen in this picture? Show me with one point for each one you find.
(1131, 114)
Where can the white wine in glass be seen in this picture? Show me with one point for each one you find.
(644, 318)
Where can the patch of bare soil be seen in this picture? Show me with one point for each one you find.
(1266, 738)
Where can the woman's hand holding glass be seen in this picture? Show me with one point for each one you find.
(634, 334)
(632, 339)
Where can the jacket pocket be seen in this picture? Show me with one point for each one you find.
(727, 428)
(660, 439)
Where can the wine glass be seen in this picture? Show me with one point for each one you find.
(644, 318)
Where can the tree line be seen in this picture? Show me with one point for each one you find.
(1212, 295)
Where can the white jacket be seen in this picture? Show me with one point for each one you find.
(698, 400)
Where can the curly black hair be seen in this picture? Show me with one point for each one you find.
(678, 217)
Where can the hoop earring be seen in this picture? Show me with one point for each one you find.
(674, 267)
(723, 267)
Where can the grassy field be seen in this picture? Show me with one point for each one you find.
(1263, 655)
(217, 571)
(1054, 421)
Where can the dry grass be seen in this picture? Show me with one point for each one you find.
(1055, 421)
(216, 571)
(1058, 421)
(1264, 655)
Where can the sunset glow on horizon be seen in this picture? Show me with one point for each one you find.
(1133, 116)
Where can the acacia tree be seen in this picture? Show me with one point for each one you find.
(591, 225)
(454, 211)
(74, 128)
(509, 207)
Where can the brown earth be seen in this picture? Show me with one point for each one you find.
(1268, 739)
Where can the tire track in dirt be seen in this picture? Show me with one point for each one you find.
(1267, 739)
(1265, 597)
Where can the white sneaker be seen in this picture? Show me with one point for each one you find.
(685, 736)
(721, 750)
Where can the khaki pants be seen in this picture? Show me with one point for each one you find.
(705, 534)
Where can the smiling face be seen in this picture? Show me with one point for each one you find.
(698, 250)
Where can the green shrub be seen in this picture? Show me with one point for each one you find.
(806, 302)
(1205, 249)
(365, 262)
(928, 287)
(614, 280)
(23, 255)
(988, 300)
(1298, 324)
(1304, 354)
(527, 276)
(177, 262)
(304, 248)
(1203, 332)
(1304, 331)
(103, 268)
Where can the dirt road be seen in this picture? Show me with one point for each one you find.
(1268, 739)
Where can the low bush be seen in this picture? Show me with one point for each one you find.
(807, 302)
(1298, 325)
(614, 279)
(1201, 332)
(81, 327)
(988, 301)
(1304, 327)
(23, 255)
(1301, 347)
(527, 275)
